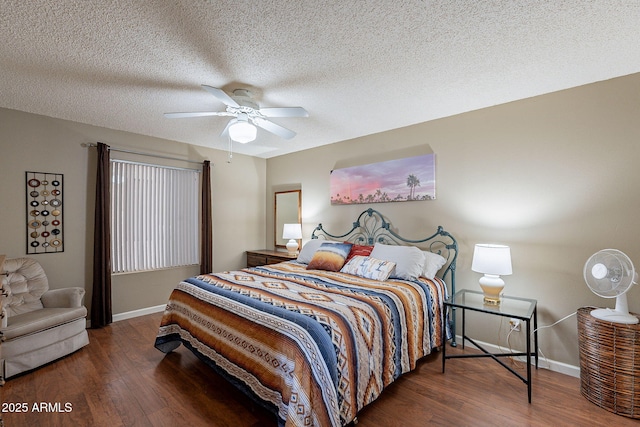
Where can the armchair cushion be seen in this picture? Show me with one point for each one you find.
(63, 298)
(25, 284)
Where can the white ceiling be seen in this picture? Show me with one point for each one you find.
(358, 67)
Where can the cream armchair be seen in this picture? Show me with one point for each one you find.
(38, 325)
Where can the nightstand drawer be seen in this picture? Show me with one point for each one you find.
(266, 257)
(275, 260)
(254, 260)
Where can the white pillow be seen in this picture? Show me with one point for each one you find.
(409, 260)
(309, 249)
(432, 264)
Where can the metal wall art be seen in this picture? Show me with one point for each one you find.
(401, 180)
(44, 212)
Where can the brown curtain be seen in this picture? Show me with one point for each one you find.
(206, 243)
(101, 299)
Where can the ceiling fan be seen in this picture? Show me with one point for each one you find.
(247, 115)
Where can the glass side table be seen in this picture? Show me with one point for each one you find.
(524, 309)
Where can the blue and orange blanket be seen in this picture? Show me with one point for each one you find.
(313, 346)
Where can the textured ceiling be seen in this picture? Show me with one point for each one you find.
(358, 67)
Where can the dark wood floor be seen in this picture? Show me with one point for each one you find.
(120, 379)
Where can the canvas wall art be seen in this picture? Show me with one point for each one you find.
(401, 180)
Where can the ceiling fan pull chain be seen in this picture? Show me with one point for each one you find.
(230, 150)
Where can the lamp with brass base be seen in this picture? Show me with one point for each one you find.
(493, 261)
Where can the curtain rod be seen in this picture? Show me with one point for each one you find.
(142, 154)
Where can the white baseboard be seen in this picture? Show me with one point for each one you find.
(552, 365)
(137, 313)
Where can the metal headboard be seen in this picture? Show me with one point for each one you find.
(371, 227)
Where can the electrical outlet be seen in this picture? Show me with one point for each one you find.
(514, 325)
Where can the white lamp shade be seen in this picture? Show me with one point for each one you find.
(292, 231)
(242, 131)
(492, 259)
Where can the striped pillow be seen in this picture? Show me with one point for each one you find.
(330, 257)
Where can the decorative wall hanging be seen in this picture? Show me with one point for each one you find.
(401, 180)
(44, 212)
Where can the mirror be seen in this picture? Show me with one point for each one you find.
(287, 210)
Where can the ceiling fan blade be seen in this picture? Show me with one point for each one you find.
(284, 112)
(197, 114)
(274, 128)
(221, 95)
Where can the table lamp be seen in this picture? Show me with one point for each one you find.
(292, 232)
(493, 261)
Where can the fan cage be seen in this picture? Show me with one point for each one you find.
(619, 264)
(609, 364)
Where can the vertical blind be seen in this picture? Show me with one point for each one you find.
(154, 217)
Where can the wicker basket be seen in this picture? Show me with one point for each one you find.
(609, 364)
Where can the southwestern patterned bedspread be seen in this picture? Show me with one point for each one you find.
(313, 346)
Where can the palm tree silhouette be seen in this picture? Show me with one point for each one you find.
(412, 183)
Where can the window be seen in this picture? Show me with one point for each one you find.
(154, 217)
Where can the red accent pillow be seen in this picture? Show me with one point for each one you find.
(359, 250)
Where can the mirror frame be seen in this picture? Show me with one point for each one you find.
(276, 227)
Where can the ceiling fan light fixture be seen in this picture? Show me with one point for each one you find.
(242, 131)
(248, 116)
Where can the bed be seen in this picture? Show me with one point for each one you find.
(315, 343)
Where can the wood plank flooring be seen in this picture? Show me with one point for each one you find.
(120, 379)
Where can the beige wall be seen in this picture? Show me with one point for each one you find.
(556, 177)
(35, 143)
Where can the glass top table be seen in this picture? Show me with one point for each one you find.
(524, 309)
(516, 307)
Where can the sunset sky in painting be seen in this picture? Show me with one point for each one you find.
(390, 177)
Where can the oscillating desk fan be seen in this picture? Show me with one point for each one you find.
(609, 273)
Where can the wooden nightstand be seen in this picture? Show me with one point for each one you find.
(266, 257)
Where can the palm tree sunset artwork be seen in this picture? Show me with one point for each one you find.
(401, 180)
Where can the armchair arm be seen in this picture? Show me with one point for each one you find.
(63, 298)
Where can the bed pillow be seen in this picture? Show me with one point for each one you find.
(359, 250)
(330, 256)
(369, 268)
(310, 248)
(409, 260)
(432, 264)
